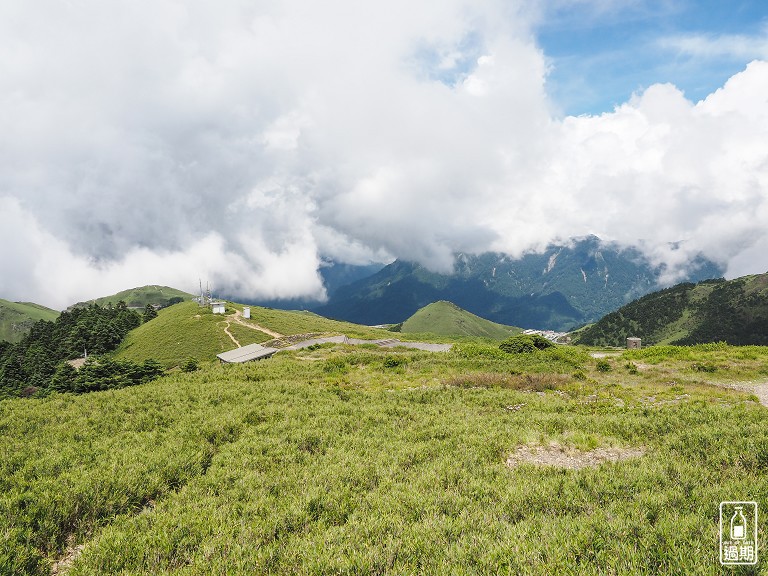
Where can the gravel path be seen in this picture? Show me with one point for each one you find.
(761, 392)
(238, 317)
(231, 337)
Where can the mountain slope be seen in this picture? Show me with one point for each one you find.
(447, 319)
(140, 297)
(16, 318)
(558, 289)
(734, 311)
(187, 330)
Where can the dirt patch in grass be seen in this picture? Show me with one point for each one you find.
(527, 382)
(63, 564)
(570, 458)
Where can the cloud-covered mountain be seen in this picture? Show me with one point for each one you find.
(167, 142)
(560, 288)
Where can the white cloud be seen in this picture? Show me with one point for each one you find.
(159, 142)
(742, 46)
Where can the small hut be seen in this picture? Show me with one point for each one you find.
(633, 343)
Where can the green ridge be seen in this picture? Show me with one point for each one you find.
(16, 318)
(446, 319)
(140, 297)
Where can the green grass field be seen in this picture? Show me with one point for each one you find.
(303, 322)
(181, 331)
(360, 460)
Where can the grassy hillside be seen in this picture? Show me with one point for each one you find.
(734, 311)
(289, 322)
(16, 318)
(180, 331)
(187, 330)
(348, 461)
(447, 319)
(140, 297)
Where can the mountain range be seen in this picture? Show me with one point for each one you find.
(565, 286)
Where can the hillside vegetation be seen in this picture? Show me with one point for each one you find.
(30, 365)
(734, 311)
(342, 460)
(140, 297)
(17, 318)
(447, 319)
(187, 330)
(182, 331)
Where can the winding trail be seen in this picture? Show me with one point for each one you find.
(238, 317)
(228, 333)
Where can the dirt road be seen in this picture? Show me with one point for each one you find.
(238, 317)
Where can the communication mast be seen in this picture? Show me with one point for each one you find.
(205, 297)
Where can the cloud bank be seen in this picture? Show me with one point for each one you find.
(166, 141)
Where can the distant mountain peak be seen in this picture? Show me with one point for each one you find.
(566, 285)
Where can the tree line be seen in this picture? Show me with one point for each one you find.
(37, 364)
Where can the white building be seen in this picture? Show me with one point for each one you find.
(218, 307)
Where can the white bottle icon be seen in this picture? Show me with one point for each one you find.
(738, 525)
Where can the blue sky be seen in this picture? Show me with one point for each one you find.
(601, 53)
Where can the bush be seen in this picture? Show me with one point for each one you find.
(393, 361)
(603, 366)
(704, 367)
(525, 343)
(472, 351)
(190, 365)
(336, 364)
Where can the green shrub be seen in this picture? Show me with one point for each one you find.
(704, 367)
(603, 366)
(337, 364)
(473, 351)
(394, 361)
(189, 365)
(525, 343)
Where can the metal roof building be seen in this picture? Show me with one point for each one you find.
(246, 354)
